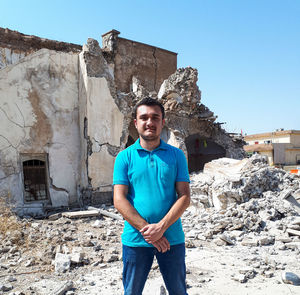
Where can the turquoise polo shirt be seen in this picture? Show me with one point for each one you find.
(151, 177)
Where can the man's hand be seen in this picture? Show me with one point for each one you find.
(152, 232)
(162, 245)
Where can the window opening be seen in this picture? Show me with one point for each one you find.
(35, 183)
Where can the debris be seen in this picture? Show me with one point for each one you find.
(81, 214)
(62, 262)
(290, 278)
(293, 232)
(105, 213)
(51, 287)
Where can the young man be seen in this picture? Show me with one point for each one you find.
(151, 191)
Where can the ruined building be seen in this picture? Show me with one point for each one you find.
(66, 109)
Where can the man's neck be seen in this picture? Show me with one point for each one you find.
(149, 145)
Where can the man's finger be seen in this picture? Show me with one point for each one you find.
(144, 229)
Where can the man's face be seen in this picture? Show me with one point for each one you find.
(149, 122)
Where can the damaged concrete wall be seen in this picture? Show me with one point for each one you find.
(39, 115)
(151, 65)
(15, 45)
(103, 125)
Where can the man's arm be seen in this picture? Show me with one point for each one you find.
(154, 231)
(130, 214)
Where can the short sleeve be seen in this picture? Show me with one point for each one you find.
(121, 169)
(182, 167)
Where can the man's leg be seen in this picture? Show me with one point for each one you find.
(137, 263)
(172, 268)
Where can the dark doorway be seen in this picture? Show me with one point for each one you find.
(202, 150)
(133, 135)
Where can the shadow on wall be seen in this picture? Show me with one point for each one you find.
(202, 150)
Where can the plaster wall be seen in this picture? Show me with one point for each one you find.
(104, 129)
(295, 140)
(273, 139)
(292, 156)
(39, 114)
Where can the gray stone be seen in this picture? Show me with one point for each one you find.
(249, 242)
(5, 287)
(290, 278)
(52, 287)
(227, 239)
(240, 278)
(62, 262)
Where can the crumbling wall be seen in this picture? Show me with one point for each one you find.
(151, 65)
(186, 116)
(39, 115)
(103, 121)
(15, 45)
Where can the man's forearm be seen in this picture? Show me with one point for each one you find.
(175, 212)
(152, 232)
(127, 210)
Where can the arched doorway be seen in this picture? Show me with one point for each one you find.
(202, 150)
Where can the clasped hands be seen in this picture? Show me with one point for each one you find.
(153, 234)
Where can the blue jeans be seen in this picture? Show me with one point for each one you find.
(137, 262)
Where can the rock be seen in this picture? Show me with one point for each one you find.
(268, 274)
(295, 220)
(227, 239)
(240, 278)
(5, 287)
(264, 240)
(293, 245)
(62, 262)
(97, 223)
(219, 242)
(52, 287)
(290, 278)
(249, 242)
(293, 232)
(77, 255)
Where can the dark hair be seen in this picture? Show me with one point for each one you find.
(148, 101)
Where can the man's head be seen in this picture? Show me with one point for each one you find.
(148, 101)
(149, 119)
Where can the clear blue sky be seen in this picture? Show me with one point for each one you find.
(247, 52)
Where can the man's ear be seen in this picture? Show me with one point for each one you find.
(135, 123)
(163, 122)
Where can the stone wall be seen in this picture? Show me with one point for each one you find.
(39, 116)
(151, 65)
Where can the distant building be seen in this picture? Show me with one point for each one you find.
(282, 147)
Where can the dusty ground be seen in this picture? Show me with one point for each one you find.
(26, 262)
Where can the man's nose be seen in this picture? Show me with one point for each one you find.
(149, 122)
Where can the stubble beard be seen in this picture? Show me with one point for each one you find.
(150, 138)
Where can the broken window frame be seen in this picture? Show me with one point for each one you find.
(45, 198)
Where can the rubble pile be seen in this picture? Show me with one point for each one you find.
(246, 202)
(43, 250)
(241, 223)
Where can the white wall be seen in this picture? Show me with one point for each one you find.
(39, 114)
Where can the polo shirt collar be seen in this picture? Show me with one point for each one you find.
(162, 146)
